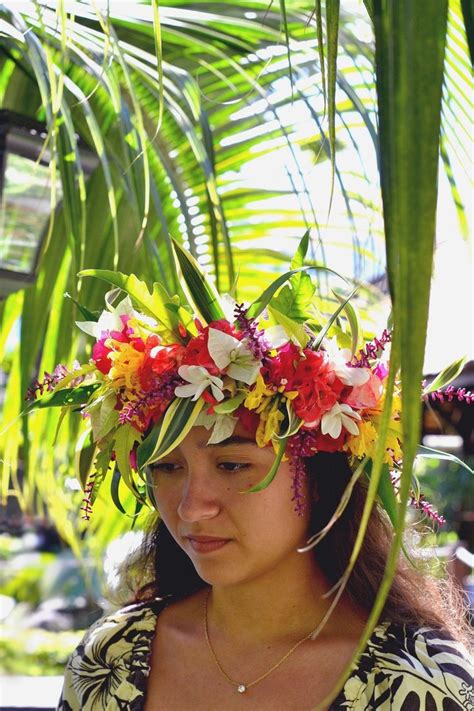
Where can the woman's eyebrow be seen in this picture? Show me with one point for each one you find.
(235, 439)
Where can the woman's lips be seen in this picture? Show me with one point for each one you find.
(206, 544)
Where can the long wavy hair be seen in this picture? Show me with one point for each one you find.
(415, 598)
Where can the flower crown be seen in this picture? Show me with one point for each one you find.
(160, 366)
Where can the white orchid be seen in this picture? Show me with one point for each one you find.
(339, 358)
(224, 426)
(339, 416)
(228, 352)
(108, 320)
(199, 379)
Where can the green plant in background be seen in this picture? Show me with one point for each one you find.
(36, 652)
(153, 93)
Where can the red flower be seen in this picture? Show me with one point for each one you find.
(325, 443)
(197, 352)
(282, 366)
(248, 419)
(317, 386)
(309, 442)
(166, 359)
(100, 354)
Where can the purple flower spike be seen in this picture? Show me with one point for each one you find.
(256, 340)
(50, 381)
(451, 393)
(297, 452)
(87, 500)
(428, 509)
(372, 351)
(164, 392)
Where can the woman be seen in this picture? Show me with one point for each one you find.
(239, 602)
(250, 605)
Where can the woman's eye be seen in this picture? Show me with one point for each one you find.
(163, 466)
(234, 466)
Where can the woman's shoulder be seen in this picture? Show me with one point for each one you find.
(411, 668)
(112, 659)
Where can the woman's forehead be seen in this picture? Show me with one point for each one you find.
(198, 437)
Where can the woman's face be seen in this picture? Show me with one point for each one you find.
(230, 536)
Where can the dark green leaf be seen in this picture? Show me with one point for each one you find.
(200, 292)
(68, 396)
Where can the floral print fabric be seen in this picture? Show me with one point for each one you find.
(401, 669)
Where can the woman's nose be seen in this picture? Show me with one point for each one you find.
(198, 500)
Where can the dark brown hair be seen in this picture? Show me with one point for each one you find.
(415, 598)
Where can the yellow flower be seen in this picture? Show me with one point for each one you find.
(126, 361)
(259, 397)
(269, 425)
(362, 444)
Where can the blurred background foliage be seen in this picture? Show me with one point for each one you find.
(234, 127)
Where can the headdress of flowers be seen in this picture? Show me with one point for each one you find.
(160, 366)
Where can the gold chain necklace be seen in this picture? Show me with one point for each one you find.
(241, 688)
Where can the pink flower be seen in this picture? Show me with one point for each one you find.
(367, 395)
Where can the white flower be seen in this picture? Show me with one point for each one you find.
(338, 359)
(276, 336)
(224, 426)
(338, 416)
(228, 352)
(199, 379)
(228, 305)
(108, 320)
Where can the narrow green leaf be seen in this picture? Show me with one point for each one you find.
(102, 465)
(353, 319)
(332, 31)
(201, 294)
(294, 330)
(126, 436)
(386, 492)
(88, 315)
(267, 480)
(430, 453)
(114, 489)
(446, 376)
(323, 332)
(172, 428)
(468, 14)
(68, 396)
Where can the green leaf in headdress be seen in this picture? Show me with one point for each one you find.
(267, 480)
(67, 396)
(170, 431)
(200, 292)
(294, 298)
(353, 319)
(126, 436)
(102, 463)
(230, 404)
(154, 304)
(323, 332)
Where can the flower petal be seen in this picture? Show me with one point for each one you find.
(220, 345)
(247, 373)
(223, 428)
(185, 390)
(350, 425)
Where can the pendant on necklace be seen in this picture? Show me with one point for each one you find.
(241, 688)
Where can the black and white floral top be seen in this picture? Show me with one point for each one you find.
(401, 669)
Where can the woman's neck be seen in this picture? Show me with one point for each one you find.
(276, 608)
